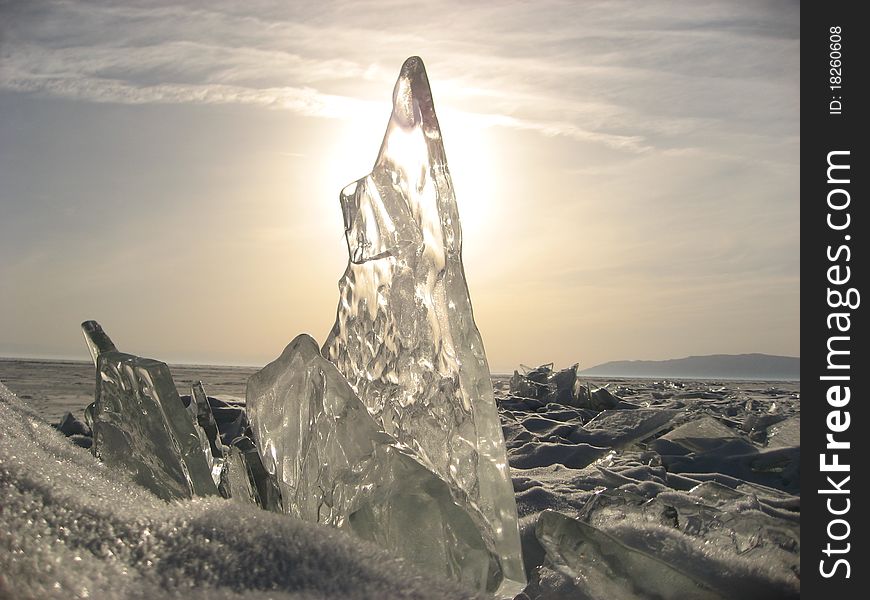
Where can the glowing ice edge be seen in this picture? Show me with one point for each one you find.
(405, 336)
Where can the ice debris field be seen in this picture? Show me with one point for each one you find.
(384, 465)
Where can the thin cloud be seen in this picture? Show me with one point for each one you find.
(287, 59)
(304, 101)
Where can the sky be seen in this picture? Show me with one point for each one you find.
(626, 172)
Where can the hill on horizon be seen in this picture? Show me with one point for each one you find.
(713, 366)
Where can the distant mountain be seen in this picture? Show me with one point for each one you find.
(714, 366)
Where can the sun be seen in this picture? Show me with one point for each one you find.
(467, 144)
(470, 160)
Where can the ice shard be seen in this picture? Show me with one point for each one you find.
(264, 485)
(207, 431)
(598, 562)
(140, 424)
(336, 467)
(404, 335)
(237, 484)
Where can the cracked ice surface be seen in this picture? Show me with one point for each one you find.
(336, 467)
(404, 335)
(602, 563)
(140, 424)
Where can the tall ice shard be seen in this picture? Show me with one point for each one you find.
(140, 424)
(404, 335)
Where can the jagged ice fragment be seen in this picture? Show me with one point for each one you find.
(336, 467)
(207, 431)
(405, 336)
(140, 424)
(597, 561)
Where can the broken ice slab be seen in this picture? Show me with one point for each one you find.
(78, 432)
(207, 430)
(702, 435)
(566, 385)
(620, 428)
(140, 424)
(404, 335)
(534, 383)
(607, 568)
(69, 425)
(719, 520)
(246, 480)
(546, 385)
(201, 410)
(772, 467)
(268, 491)
(97, 340)
(730, 521)
(236, 483)
(335, 466)
(597, 399)
(524, 388)
(562, 387)
(89, 415)
(230, 418)
(785, 433)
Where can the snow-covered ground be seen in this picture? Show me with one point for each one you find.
(676, 487)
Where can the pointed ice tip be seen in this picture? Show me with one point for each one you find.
(97, 340)
(412, 97)
(413, 64)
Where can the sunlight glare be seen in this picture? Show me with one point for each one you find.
(470, 157)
